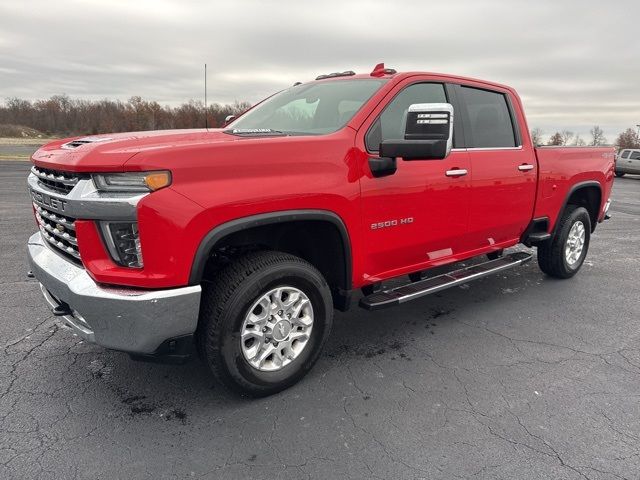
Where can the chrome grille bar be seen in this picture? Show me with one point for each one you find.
(60, 182)
(58, 231)
(53, 176)
(57, 218)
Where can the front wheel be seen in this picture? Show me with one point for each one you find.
(264, 322)
(563, 255)
(619, 174)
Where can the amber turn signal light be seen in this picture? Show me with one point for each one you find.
(157, 180)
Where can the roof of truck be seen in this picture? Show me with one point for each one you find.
(381, 72)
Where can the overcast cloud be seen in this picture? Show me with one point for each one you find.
(575, 63)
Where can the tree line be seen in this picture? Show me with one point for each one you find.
(61, 115)
(627, 139)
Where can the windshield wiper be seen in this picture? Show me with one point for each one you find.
(254, 132)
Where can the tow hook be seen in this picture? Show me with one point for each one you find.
(30, 274)
(61, 310)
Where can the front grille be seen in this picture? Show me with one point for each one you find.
(59, 231)
(60, 182)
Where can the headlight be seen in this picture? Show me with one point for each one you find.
(123, 242)
(132, 181)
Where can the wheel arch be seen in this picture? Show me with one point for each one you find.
(319, 236)
(586, 194)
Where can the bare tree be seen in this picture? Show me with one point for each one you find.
(556, 139)
(597, 136)
(536, 136)
(628, 139)
(567, 135)
(578, 141)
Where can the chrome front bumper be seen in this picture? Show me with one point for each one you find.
(127, 319)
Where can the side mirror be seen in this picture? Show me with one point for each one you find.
(228, 119)
(428, 133)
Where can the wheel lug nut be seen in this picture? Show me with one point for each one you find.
(264, 329)
(279, 312)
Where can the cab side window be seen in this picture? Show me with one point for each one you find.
(635, 155)
(625, 154)
(390, 123)
(489, 118)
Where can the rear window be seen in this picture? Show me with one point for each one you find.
(490, 124)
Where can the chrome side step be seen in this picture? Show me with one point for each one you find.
(411, 291)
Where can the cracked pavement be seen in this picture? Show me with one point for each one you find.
(513, 376)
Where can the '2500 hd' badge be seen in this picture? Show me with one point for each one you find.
(391, 223)
(48, 201)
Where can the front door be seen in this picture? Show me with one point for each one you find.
(417, 216)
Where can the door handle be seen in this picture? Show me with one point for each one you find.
(525, 167)
(456, 172)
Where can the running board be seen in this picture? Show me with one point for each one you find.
(411, 291)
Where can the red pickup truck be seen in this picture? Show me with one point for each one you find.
(241, 241)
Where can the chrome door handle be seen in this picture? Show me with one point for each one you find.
(525, 167)
(456, 172)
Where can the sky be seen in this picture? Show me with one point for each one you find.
(574, 63)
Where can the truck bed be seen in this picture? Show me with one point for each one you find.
(561, 169)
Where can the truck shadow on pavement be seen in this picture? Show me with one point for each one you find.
(173, 392)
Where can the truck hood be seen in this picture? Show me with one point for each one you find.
(110, 152)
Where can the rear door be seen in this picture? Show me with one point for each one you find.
(504, 171)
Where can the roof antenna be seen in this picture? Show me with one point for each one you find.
(206, 120)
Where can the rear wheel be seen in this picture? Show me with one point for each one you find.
(264, 322)
(564, 254)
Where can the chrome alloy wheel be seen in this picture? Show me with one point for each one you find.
(575, 243)
(276, 329)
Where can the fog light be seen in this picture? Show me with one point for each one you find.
(123, 242)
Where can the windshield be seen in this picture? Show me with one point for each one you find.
(312, 108)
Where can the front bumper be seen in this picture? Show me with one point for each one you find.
(126, 319)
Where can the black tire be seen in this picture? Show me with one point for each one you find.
(551, 254)
(224, 306)
(619, 174)
(495, 255)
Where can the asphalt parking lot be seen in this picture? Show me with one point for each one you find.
(516, 376)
